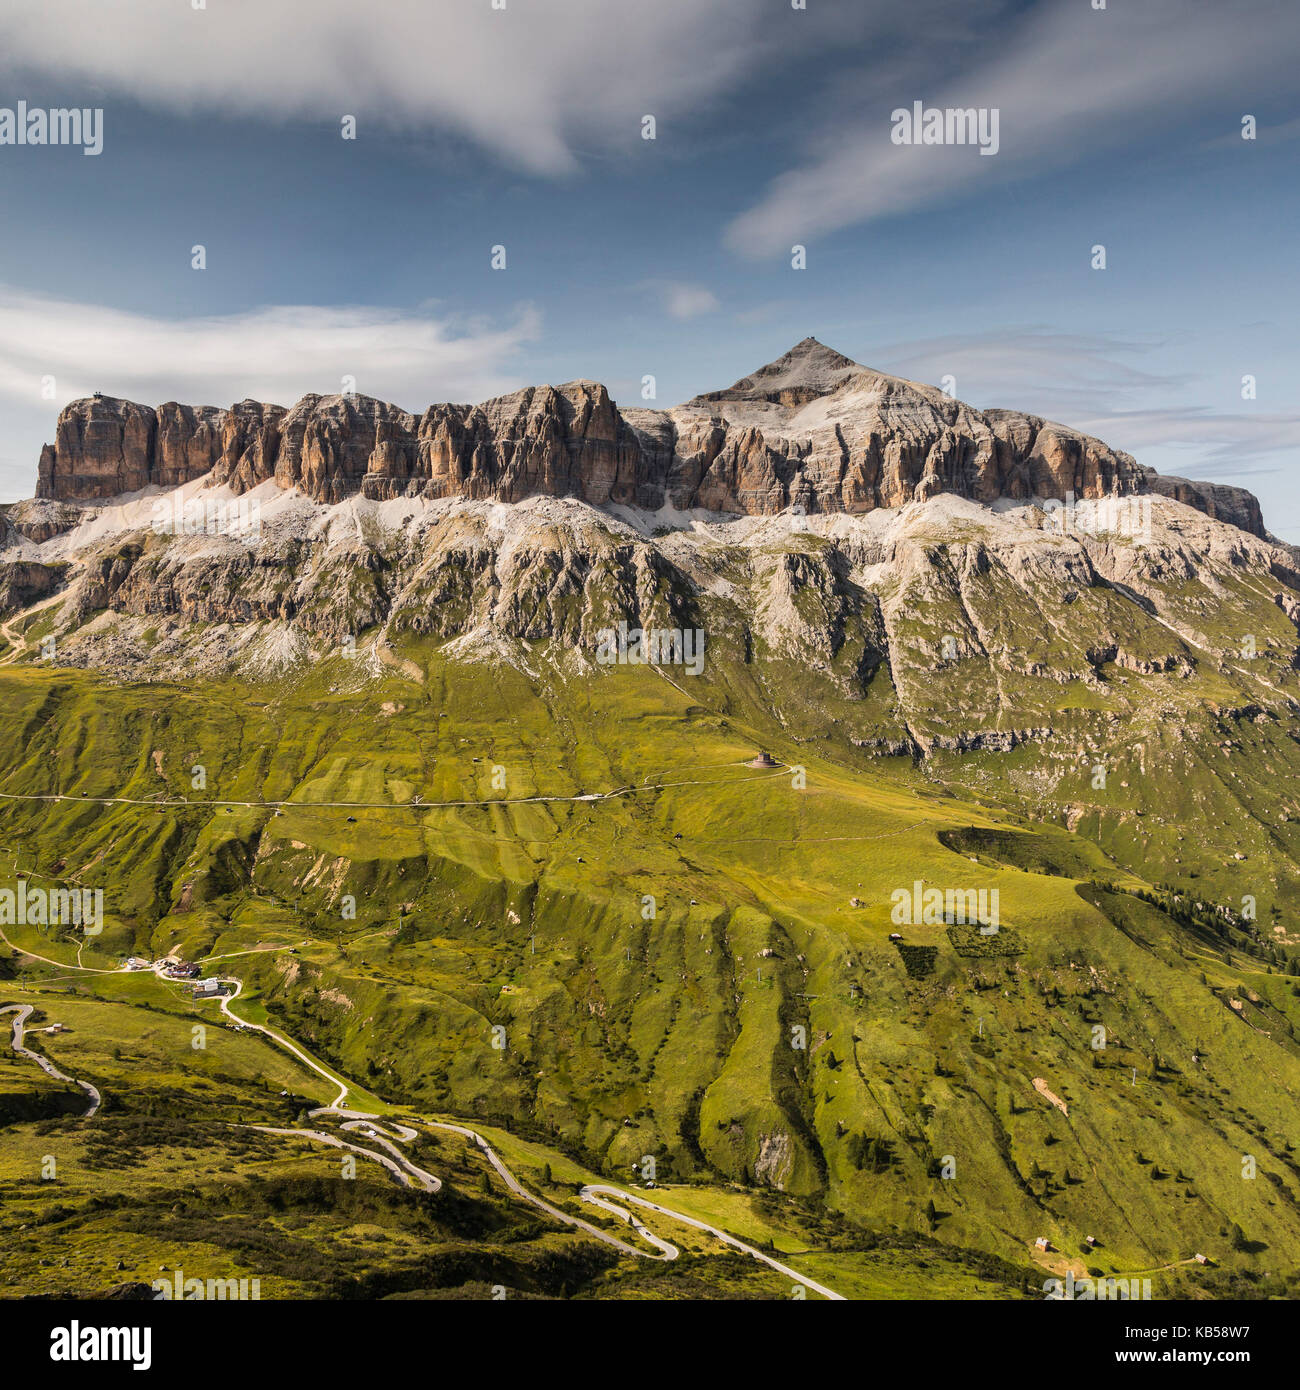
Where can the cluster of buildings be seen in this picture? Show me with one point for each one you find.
(192, 974)
(182, 971)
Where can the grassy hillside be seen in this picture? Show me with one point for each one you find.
(695, 968)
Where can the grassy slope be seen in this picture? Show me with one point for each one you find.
(671, 1037)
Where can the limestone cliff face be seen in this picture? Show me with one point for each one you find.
(187, 442)
(568, 441)
(102, 447)
(812, 430)
(1234, 505)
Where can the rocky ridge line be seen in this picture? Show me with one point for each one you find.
(812, 430)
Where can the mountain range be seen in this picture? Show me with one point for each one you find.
(812, 430)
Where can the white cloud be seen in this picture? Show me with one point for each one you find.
(529, 81)
(683, 301)
(1072, 82)
(537, 82)
(278, 354)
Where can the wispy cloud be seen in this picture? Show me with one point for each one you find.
(1221, 445)
(681, 300)
(1071, 83)
(1108, 385)
(534, 81)
(527, 80)
(1039, 369)
(277, 353)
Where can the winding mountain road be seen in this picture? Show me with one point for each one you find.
(520, 1191)
(22, 1012)
(304, 1057)
(401, 1167)
(717, 1233)
(595, 1194)
(389, 1133)
(670, 1252)
(61, 964)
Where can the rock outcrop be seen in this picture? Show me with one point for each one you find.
(25, 582)
(102, 447)
(1234, 505)
(812, 431)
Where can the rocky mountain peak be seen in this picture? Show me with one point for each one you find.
(809, 370)
(812, 429)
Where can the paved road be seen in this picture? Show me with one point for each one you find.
(403, 1133)
(304, 1057)
(719, 1234)
(377, 1134)
(524, 1194)
(62, 964)
(382, 1133)
(22, 1012)
(670, 1251)
(402, 1167)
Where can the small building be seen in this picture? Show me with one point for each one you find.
(1042, 1243)
(135, 963)
(895, 935)
(1090, 1240)
(208, 989)
(1202, 1259)
(764, 759)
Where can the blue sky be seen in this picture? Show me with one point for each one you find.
(370, 258)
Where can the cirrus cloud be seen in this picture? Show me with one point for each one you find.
(529, 81)
(1069, 83)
